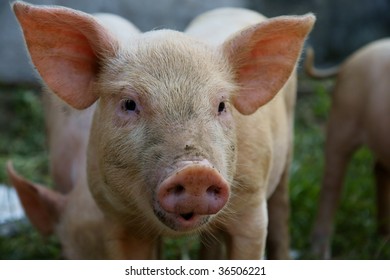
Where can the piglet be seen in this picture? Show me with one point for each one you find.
(178, 144)
(359, 116)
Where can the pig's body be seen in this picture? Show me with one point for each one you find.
(170, 149)
(67, 137)
(359, 116)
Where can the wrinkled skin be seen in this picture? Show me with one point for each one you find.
(177, 144)
(359, 116)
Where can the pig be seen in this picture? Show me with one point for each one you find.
(187, 137)
(69, 210)
(359, 115)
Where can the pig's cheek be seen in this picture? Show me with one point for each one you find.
(229, 150)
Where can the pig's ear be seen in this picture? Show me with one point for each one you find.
(263, 57)
(67, 48)
(42, 205)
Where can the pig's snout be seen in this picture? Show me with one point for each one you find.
(190, 194)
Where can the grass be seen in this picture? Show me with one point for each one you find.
(22, 140)
(22, 133)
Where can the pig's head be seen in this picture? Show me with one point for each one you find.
(163, 137)
(163, 142)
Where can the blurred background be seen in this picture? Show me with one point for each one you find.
(341, 28)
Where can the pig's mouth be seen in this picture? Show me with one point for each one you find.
(187, 216)
(185, 222)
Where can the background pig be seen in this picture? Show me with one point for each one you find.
(359, 116)
(177, 145)
(69, 211)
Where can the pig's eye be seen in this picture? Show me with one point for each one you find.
(129, 105)
(221, 107)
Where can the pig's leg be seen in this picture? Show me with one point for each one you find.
(123, 245)
(341, 142)
(382, 176)
(213, 246)
(248, 234)
(278, 237)
(130, 248)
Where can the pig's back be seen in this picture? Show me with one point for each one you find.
(118, 26)
(363, 88)
(217, 25)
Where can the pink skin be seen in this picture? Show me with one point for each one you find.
(177, 143)
(193, 192)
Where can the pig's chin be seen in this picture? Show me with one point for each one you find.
(182, 222)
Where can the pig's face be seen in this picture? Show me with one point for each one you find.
(165, 132)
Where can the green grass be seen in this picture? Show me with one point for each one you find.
(22, 133)
(26, 243)
(22, 140)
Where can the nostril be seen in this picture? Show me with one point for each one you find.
(178, 189)
(187, 216)
(213, 190)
